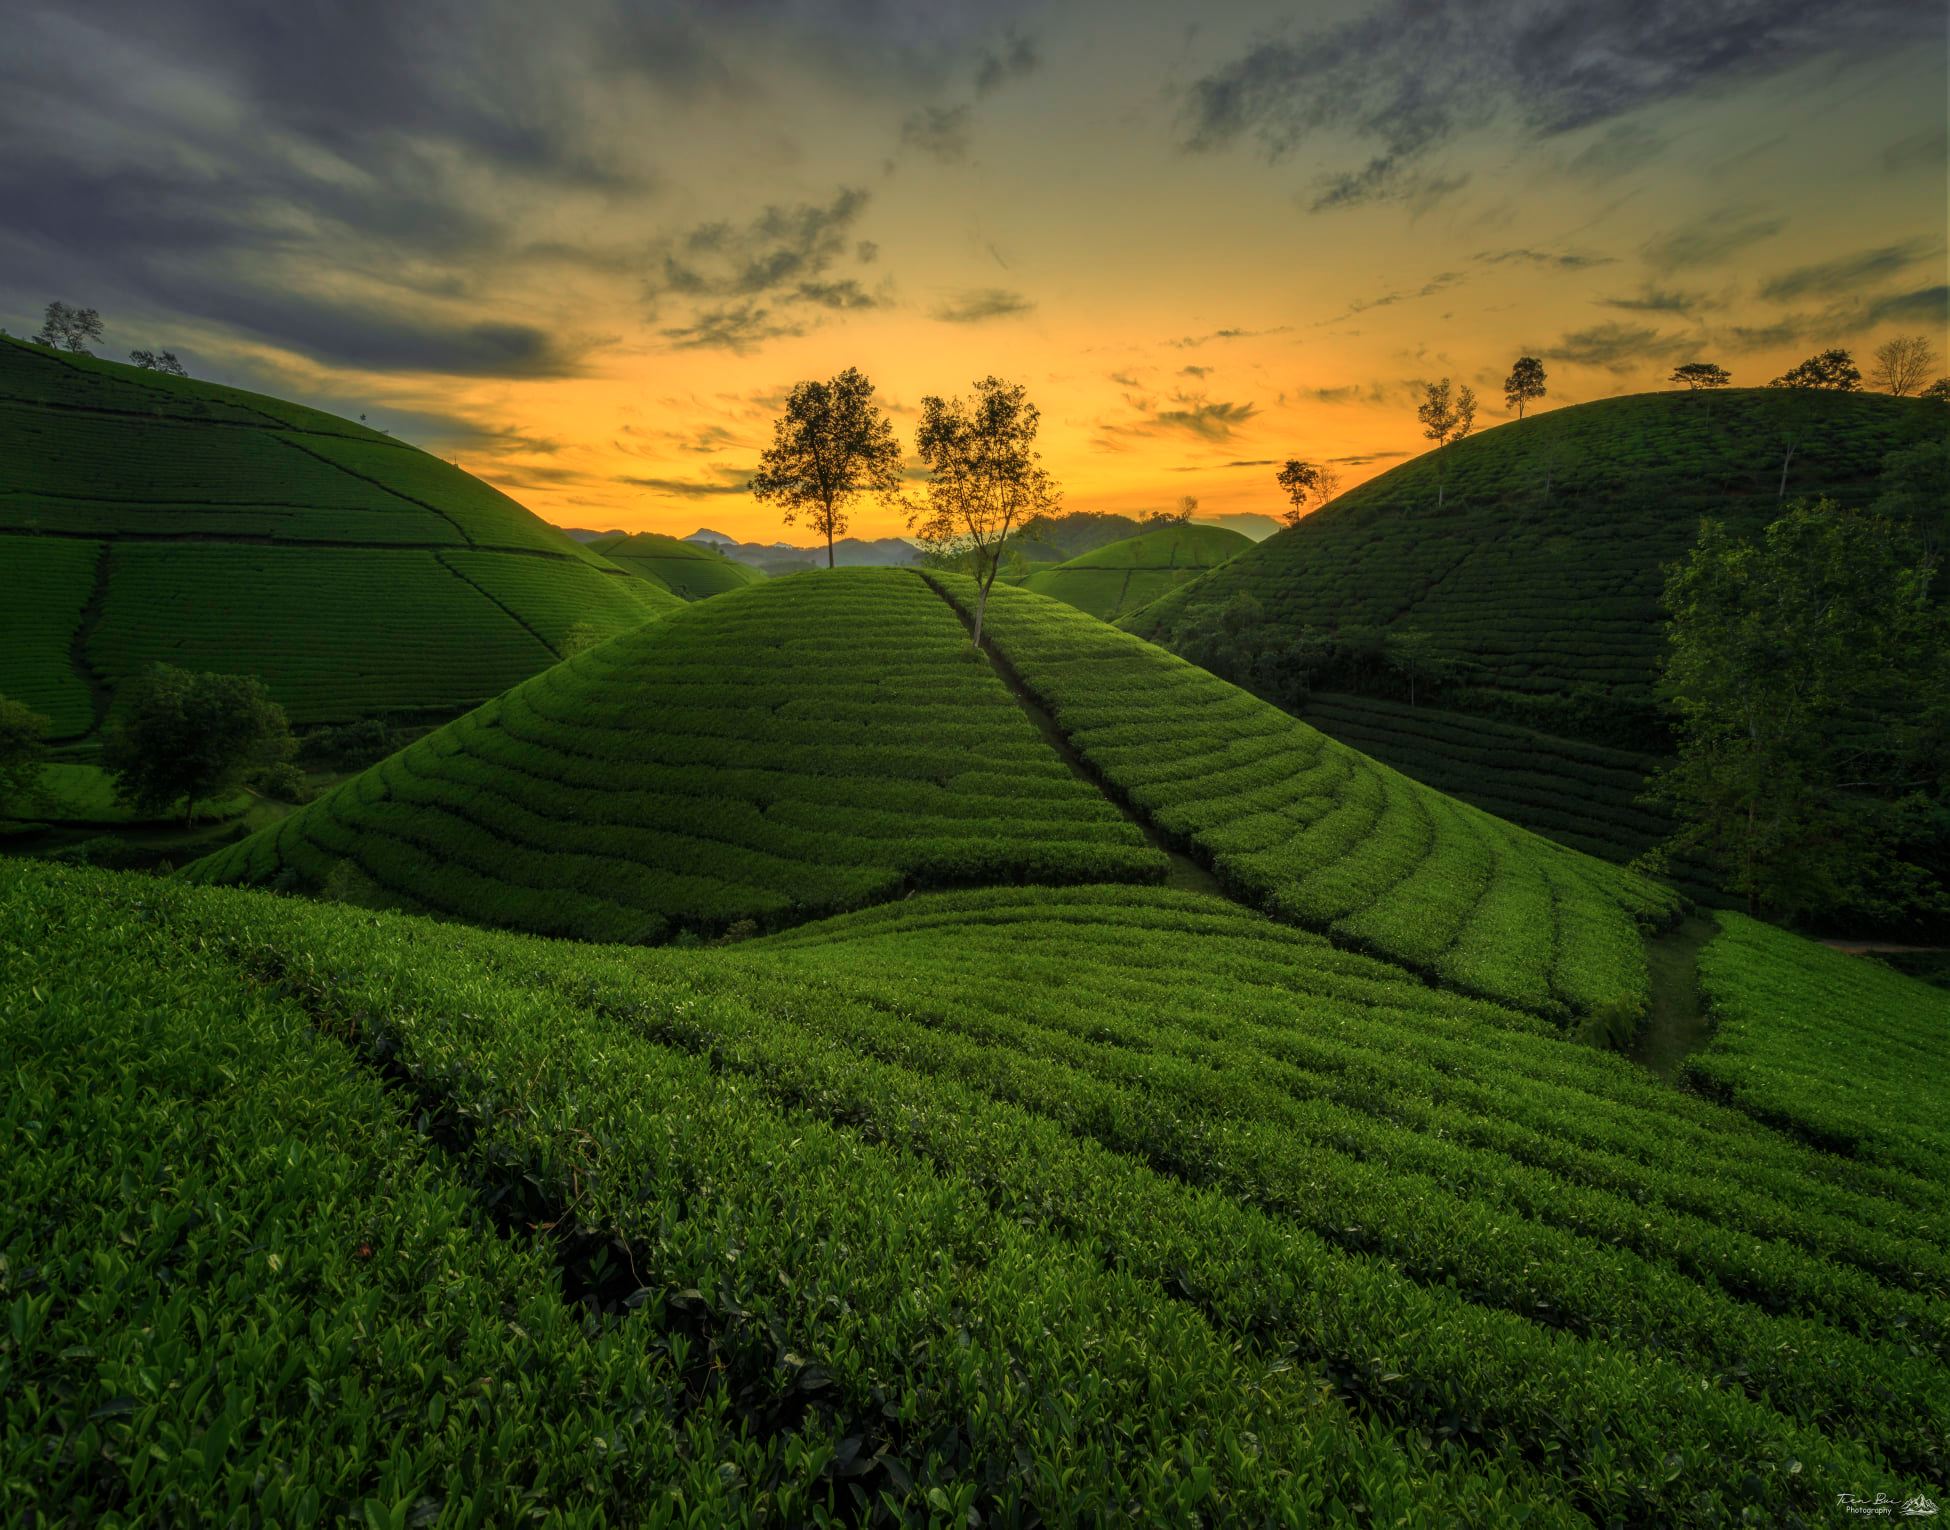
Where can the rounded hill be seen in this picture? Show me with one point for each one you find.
(688, 570)
(1124, 576)
(1531, 555)
(145, 517)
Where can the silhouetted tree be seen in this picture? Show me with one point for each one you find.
(1902, 364)
(165, 362)
(1178, 515)
(831, 445)
(1701, 375)
(1445, 418)
(1525, 383)
(1810, 677)
(23, 748)
(1307, 484)
(1938, 391)
(183, 737)
(985, 476)
(1831, 369)
(69, 329)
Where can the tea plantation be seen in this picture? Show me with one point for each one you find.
(1127, 575)
(1004, 1206)
(146, 517)
(684, 568)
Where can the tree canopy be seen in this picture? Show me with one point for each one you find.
(1832, 369)
(985, 476)
(1902, 364)
(69, 329)
(1446, 416)
(1701, 375)
(1809, 676)
(177, 736)
(832, 444)
(1306, 485)
(23, 732)
(1524, 384)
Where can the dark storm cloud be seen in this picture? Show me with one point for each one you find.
(1615, 347)
(1410, 76)
(1711, 238)
(940, 132)
(980, 304)
(1830, 278)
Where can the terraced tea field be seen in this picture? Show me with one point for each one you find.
(1011, 1205)
(684, 568)
(1127, 575)
(1541, 573)
(146, 517)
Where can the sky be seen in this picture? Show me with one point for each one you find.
(586, 249)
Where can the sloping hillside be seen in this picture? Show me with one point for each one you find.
(1123, 576)
(145, 517)
(1540, 573)
(982, 1207)
(831, 740)
(689, 570)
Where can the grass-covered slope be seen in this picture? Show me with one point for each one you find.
(686, 569)
(1552, 598)
(145, 518)
(796, 747)
(1324, 836)
(987, 1207)
(1126, 575)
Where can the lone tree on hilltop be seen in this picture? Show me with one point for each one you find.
(1809, 672)
(985, 477)
(1445, 418)
(1307, 485)
(22, 749)
(163, 361)
(1834, 370)
(69, 329)
(1902, 364)
(1178, 515)
(1701, 376)
(1938, 391)
(832, 444)
(1524, 384)
(183, 737)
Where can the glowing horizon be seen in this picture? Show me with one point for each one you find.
(587, 261)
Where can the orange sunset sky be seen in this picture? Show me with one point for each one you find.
(585, 255)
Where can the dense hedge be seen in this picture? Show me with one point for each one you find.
(1056, 1204)
(255, 536)
(797, 747)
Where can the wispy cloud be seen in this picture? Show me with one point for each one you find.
(1712, 238)
(978, 305)
(1835, 277)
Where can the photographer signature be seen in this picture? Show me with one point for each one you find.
(1882, 1506)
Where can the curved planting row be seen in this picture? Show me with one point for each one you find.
(1326, 837)
(1059, 1202)
(794, 748)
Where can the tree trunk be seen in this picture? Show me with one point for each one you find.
(1781, 493)
(981, 606)
(829, 542)
(189, 812)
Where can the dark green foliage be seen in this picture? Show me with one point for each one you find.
(1024, 1202)
(1915, 493)
(1525, 384)
(832, 445)
(1124, 576)
(1552, 602)
(1810, 674)
(1701, 375)
(23, 749)
(150, 517)
(182, 737)
(803, 745)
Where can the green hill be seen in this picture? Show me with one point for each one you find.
(1538, 580)
(831, 740)
(687, 570)
(993, 1206)
(1124, 576)
(145, 517)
